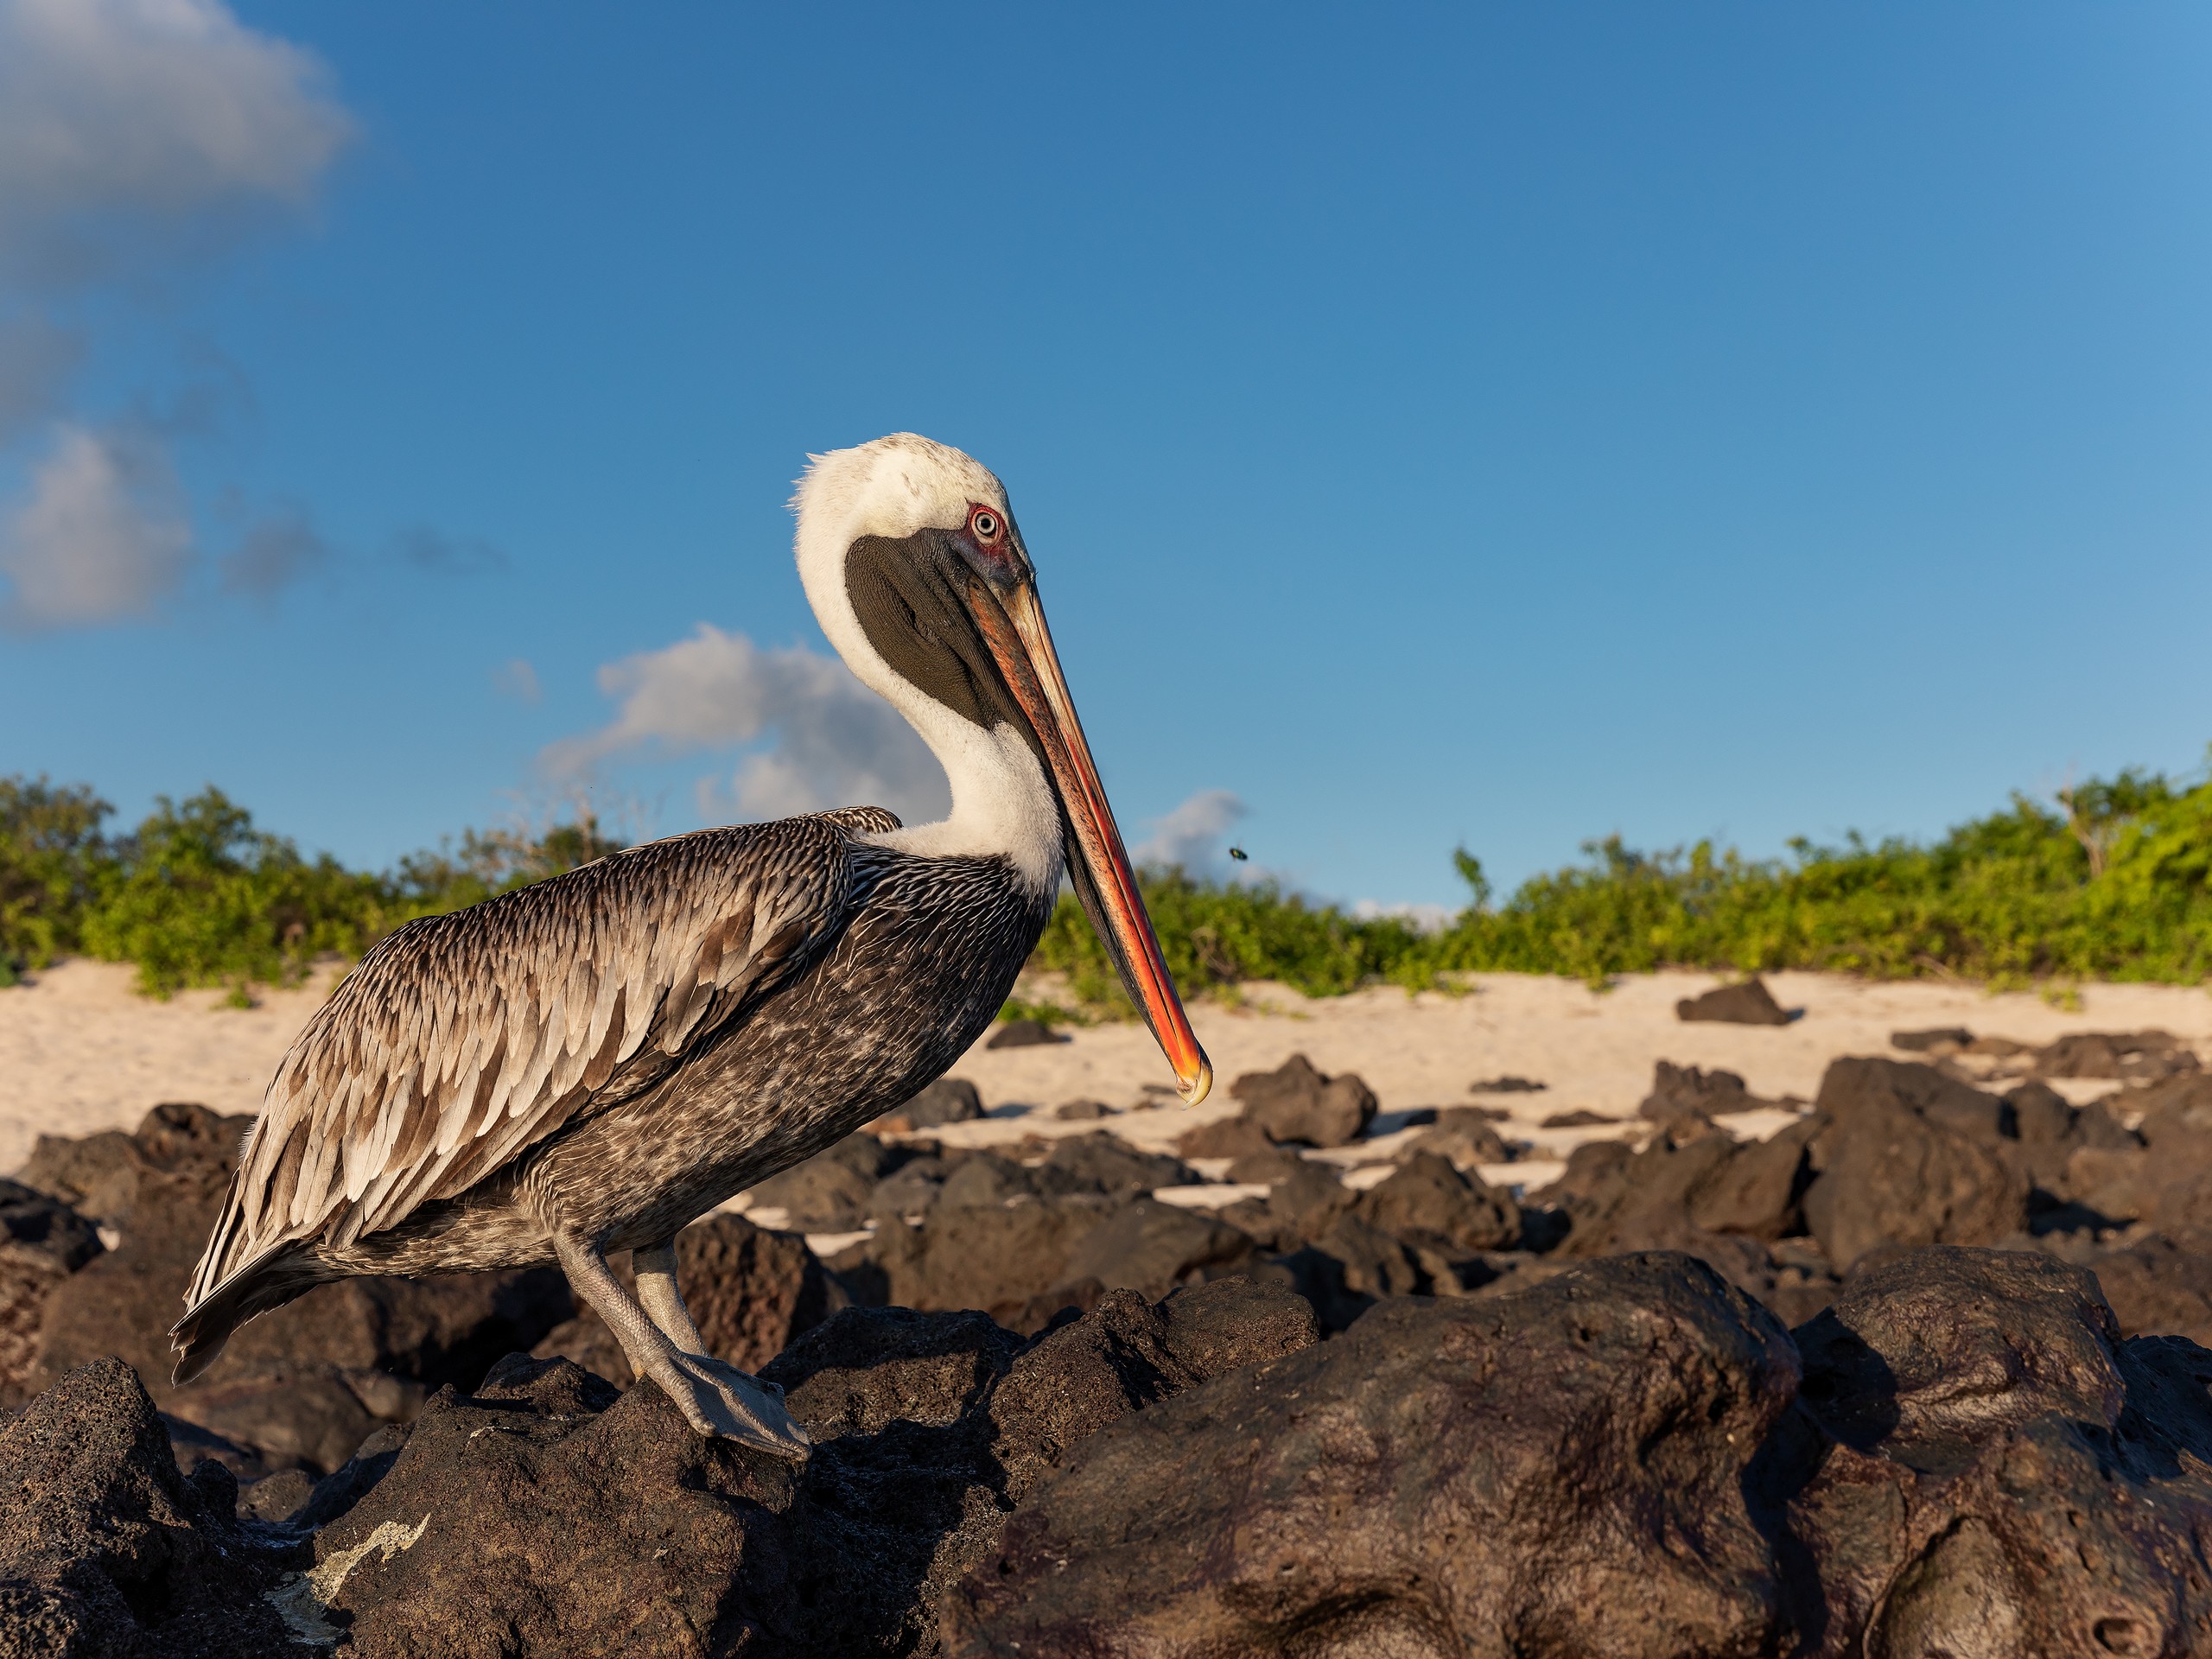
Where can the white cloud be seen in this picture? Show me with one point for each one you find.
(135, 136)
(102, 536)
(132, 129)
(818, 737)
(1425, 919)
(1191, 836)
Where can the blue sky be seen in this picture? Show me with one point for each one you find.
(1487, 425)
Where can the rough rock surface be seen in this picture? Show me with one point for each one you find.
(1428, 1201)
(1690, 1091)
(949, 1100)
(2137, 1055)
(1997, 1472)
(107, 1552)
(829, 1192)
(1576, 1458)
(1619, 1460)
(568, 1521)
(42, 1241)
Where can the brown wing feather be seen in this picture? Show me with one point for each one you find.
(462, 1039)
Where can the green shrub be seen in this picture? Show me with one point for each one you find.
(52, 861)
(2116, 887)
(197, 895)
(2114, 882)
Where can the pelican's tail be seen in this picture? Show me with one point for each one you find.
(268, 1281)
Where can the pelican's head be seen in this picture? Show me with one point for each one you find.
(920, 578)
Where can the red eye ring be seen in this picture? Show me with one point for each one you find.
(985, 525)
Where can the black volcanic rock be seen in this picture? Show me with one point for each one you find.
(1910, 1157)
(828, 1192)
(106, 1549)
(2006, 1476)
(316, 1375)
(42, 1241)
(1619, 1459)
(1024, 1033)
(949, 1100)
(1425, 1199)
(1748, 1004)
(1577, 1456)
(1294, 1102)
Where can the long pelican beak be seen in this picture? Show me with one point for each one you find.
(1022, 645)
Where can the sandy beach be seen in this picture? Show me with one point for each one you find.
(80, 1051)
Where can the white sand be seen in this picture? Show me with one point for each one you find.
(80, 1051)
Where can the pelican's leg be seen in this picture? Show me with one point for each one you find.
(714, 1397)
(663, 1303)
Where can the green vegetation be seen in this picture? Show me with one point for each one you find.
(2113, 881)
(198, 896)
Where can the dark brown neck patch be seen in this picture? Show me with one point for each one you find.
(907, 607)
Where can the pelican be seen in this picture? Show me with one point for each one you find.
(589, 1064)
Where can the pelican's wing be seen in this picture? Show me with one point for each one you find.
(462, 1040)
(861, 820)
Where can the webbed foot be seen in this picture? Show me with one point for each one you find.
(722, 1402)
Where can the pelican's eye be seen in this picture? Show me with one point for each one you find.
(986, 527)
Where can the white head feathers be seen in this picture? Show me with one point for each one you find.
(893, 487)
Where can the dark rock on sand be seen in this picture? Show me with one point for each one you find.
(1506, 1085)
(1154, 1247)
(949, 1100)
(1304, 1199)
(97, 1175)
(1100, 1162)
(750, 1291)
(1464, 1135)
(1580, 1118)
(1023, 1033)
(1078, 1111)
(1226, 1137)
(1427, 1201)
(829, 1192)
(1934, 1040)
(1690, 1091)
(1748, 1004)
(1910, 1157)
(1576, 1457)
(1294, 1102)
(992, 1254)
(1760, 1189)
(2161, 1176)
(2134, 1056)
(106, 1549)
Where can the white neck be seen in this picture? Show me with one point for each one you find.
(1001, 803)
